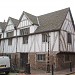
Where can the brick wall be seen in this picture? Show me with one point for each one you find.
(62, 64)
(32, 60)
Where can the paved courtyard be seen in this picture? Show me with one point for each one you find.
(41, 72)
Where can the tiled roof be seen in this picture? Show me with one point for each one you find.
(48, 22)
(52, 21)
(15, 21)
(32, 18)
(3, 25)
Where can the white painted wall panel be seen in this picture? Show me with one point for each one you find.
(10, 48)
(0, 30)
(33, 28)
(1, 46)
(24, 22)
(10, 26)
(35, 44)
(67, 28)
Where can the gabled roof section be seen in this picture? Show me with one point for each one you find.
(52, 21)
(15, 21)
(3, 25)
(72, 19)
(32, 18)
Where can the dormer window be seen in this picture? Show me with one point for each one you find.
(24, 31)
(10, 34)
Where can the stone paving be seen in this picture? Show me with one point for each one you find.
(41, 72)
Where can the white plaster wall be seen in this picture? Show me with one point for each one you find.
(67, 28)
(10, 48)
(35, 43)
(0, 30)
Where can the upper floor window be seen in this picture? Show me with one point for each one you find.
(10, 41)
(44, 37)
(9, 34)
(0, 35)
(24, 31)
(69, 39)
(41, 57)
(25, 39)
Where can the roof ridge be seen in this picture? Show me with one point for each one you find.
(13, 18)
(55, 11)
(29, 13)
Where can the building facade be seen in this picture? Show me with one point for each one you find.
(28, 40)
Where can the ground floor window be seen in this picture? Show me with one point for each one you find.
(41, 57)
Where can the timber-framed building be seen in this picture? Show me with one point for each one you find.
(26, 41)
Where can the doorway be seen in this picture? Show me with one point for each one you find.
(23, 59)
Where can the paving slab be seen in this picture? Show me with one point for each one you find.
(42, 72)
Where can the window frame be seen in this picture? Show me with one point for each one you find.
(24, 31)
(69, 38)
(41, 57)
(44, 37)
(0, 35)
(10, 41)
(9, 34)
(25, 40)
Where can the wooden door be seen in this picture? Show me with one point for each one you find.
(23, 59)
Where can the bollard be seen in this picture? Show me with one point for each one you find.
(27, 68)
(70, 67)
(48, 68)
(52, 70)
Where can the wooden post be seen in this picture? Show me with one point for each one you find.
(52, 69)
(48, 64)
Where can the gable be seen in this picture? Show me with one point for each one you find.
(24, 18)
(10, 25)
(68, 23)
(24, 21)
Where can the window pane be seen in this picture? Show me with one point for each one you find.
(10, 41)
(41, 57)
(0, 35)
(24, 31)
(69, 39)
(9, 34)
(25, 39)
(44, 38)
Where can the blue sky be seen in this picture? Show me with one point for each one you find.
(14, 8)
